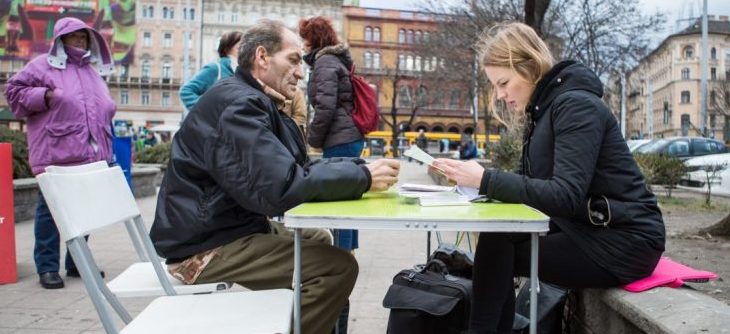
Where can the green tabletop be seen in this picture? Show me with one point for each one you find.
(388, 210)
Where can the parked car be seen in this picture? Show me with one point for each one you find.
(683, 147)
(697, 175)
(636, 143)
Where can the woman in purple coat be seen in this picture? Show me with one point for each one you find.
(68, 112)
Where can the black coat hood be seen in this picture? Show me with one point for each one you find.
(565, 76)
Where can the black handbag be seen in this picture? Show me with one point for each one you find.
(427, 299)
(550, 305)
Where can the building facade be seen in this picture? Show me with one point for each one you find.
(663, 90)
(220, 16)
(385, 46)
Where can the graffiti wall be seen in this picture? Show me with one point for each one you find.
(26, 26)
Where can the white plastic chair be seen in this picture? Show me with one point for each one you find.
(86, 201)
(141, 279)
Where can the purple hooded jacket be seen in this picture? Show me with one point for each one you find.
(74, 128)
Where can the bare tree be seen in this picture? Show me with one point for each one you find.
(719, 98)
(415, 88)
(535, 13)
(606, 35)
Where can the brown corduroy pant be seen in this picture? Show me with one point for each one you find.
(266, 261)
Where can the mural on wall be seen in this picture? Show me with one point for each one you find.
(26, 26)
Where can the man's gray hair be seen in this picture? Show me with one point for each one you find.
(265, 33)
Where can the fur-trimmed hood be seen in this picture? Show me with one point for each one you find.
(340, 51)
(99, 51)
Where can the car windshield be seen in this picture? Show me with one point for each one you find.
(653, 146)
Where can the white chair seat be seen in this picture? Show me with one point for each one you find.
(249, 312)
(140, 280)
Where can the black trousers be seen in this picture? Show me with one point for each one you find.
(502, 256)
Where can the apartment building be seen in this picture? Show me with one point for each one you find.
(664, 88)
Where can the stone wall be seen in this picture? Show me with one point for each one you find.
(145, 180)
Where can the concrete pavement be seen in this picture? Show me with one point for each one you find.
(25, 307)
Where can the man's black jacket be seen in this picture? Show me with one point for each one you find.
(236, 161)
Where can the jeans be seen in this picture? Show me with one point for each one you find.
(345, 239)
(47, 247)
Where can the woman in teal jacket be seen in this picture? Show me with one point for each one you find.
(191, 91)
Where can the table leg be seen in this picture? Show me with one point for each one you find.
(534, 283)
(297, 281)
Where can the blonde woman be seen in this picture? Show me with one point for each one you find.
(605, 229)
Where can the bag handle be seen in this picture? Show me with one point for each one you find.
(437, 266)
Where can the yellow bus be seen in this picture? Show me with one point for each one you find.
(379, 143)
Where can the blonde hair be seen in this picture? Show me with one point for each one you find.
(517, 46)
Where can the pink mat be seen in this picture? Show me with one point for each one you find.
(671, 274)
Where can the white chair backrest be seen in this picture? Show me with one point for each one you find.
(86, 201)
(78, 168)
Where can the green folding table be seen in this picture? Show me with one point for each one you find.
(388, 211)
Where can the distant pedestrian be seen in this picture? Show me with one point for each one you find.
(68, 111)
(224, 67)
(422, 141)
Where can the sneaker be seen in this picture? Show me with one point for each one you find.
(51, 280)
(75, 273)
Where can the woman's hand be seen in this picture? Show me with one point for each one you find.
(384, 173)
(464, 173)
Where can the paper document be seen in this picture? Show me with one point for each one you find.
(418, 154)
(444, 199)
(424, 187)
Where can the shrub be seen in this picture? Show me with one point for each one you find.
(21, 167)
(506, 152)
(661, 169)
(158, 154)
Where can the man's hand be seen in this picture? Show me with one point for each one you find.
(384, 173)
(464, 173)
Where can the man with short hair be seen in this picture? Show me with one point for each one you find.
(235, 162)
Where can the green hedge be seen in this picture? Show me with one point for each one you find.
(21, 168)
(158, 154)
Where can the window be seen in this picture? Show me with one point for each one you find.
(685, 97)
(426, 36)
(454, 99)
(688, 52)
(165, 12)
(165, 98)
(146, 38)
(221, 16)
(401, 62)
(422, 96)
(189, 14)
(417, 64)
(667, 113)
(376, 34)
(167, 40)
(712, 98)
(409, 63)
(368, 34)
(234, 18)
(713, 73)
(409, 36)
(685, 73)
(438, 99)
(145, 97)
(678, 148)
(401, 36)
(368, 59)
(145, 68)
(702, 146)
(124, 97)
(418, 36)
(404, 96)
(713, 121)
(713, 53)
(148, 11)
(166, 70)
(124, 71)
(376, 60)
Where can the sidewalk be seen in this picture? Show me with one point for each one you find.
(25, 307)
